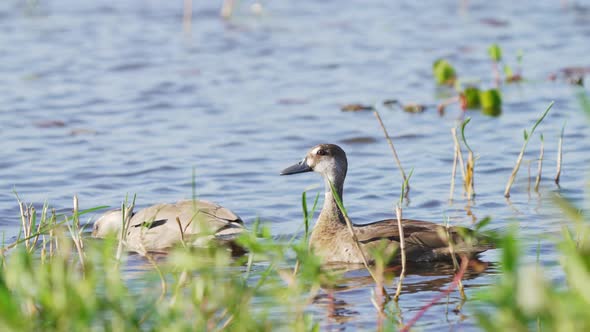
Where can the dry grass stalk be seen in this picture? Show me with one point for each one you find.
(181, 232)
(468, 177)
(529, 177)
(540, 168)
(24, 221)
(398, 213)
(559, 156)
(454, 172)
(390, 142)
(76, 233)
(126, 220)
(469, 182)
(52, 238)
(459, 154)
(514, 172)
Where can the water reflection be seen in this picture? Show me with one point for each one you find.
(338, 304)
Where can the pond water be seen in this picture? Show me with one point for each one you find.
(101, 99)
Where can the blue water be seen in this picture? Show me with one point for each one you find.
(104, 99)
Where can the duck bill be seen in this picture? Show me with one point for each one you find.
(300, 167)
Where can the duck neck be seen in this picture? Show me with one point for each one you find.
(331, 215)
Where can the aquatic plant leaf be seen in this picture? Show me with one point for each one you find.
(482, 223)
(471, 95)
(491, 102)
(542, 117)
(508, 71)
(444, 73)
(495, 52)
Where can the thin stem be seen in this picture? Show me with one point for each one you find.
(402, 245)
(390, 142)
(559, 156)
(181, 232)
(461, 164)
(540, 168)
(520, 156)
(126, 220)
(454, 172)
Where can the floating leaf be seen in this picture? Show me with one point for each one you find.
(471, 96)
(444, 73)
(495, 53)
(491, 102)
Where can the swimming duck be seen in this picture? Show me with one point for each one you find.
(331, 240)
(156, 228)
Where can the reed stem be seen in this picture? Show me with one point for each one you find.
(540, 167)
(454, 172)
(390, 142)
(398, 213)
(527, 137)
(559, 156)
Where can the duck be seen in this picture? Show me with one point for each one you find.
(158, 227)
(332, 241)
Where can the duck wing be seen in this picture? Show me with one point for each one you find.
(424, 240)
(388, 229)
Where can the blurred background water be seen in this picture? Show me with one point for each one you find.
(102, 99)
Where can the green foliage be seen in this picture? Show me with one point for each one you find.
(463, 125)
(491, 102)
(307, 215)
(524, 297)
(472, 99)
(444, 73)
(495, 52)
(508, 71)
(52, 286)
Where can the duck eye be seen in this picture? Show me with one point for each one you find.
(321, 152)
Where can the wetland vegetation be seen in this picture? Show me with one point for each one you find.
(499, 91)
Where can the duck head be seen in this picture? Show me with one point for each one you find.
(327, 159)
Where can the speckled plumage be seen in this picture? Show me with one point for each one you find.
(332, 241)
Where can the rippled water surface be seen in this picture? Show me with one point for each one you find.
(104, 98)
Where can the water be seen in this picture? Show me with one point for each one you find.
(103, 99)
